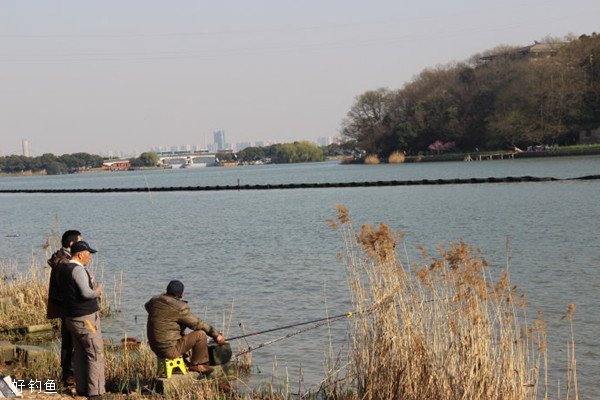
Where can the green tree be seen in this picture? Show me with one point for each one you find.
(308, 152)
(15, 163)
(251, 154)
(55, 168)
(295, 153)
(146, 159)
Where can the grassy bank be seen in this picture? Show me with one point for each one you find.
(399, 158)
(566, 151)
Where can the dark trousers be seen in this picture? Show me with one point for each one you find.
(66, 351)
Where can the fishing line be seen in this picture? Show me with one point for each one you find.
(348, 315)
(149, 191)
(289, 335)
(321, 322)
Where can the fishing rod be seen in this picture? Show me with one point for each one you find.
(326, 319)
(289, 335)
(348, 315)
(321, 322)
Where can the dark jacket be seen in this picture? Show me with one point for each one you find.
(168, 317)
(55, 307)
(74, 304)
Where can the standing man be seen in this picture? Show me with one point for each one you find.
(80, 301)
(55, 307)
(168, 317)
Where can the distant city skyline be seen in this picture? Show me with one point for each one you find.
(26, 146)
(125, 77)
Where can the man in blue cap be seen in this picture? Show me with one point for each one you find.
(168, 317)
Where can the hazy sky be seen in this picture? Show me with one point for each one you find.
(125, 75)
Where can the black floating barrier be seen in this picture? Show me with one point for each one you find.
(322, 185)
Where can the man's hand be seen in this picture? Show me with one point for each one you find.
(99, 291)
(220, 339)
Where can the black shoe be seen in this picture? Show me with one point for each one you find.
(68, 381)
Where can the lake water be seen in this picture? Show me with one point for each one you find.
(268, 258)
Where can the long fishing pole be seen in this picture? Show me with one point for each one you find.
(289, 335)
(322, 321)
(348, 315)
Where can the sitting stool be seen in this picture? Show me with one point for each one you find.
(166, 366)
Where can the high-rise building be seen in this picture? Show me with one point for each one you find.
(26, 148)
(219, 139)
(325, 141)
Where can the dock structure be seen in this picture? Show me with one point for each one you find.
(493, 156)
(188, 160)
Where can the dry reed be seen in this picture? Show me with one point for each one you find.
(23, 295)
(439, 329)
(371, 159)
(396, 157)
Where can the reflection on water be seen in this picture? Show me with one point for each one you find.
(266, 259)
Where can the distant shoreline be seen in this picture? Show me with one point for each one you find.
(474, 157)
(23, 173)
(487, 155)
(525, 154)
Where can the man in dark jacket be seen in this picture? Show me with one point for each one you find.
(55, 307)
(168, 318)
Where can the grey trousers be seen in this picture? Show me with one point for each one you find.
(88, 355)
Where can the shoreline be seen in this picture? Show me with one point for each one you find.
(515, 155)
(465, 157)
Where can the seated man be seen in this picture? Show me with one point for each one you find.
(168, 317)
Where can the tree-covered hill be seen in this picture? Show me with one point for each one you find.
(541, 94)
(52, 164)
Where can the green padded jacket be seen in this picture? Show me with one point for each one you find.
(168, 317)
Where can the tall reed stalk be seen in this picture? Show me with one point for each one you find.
(441, 328)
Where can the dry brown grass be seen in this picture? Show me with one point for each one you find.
(24, 295)
(126, 367)
(439, 329)
(371, 159)
(396, 157)
(133, 370)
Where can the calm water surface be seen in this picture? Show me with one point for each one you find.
(268, 258)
